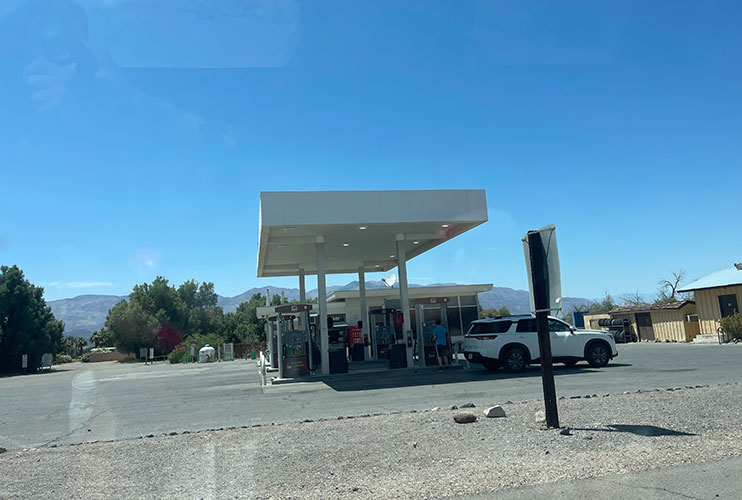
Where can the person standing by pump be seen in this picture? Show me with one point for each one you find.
(440, 339)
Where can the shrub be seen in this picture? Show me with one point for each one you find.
(732, 325)
(62, 358)
(175, 357)
(85, 358)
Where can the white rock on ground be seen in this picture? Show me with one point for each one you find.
(494, 412)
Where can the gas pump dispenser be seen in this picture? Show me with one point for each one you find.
(386, 325)
(294, 342)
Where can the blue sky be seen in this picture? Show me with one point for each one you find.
(136, 139)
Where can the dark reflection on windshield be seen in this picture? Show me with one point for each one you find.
(67, 66)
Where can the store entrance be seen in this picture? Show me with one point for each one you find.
(427, 312)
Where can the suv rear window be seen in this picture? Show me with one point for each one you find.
(527, 325)
(490, 327)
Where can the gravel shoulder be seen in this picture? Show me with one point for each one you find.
(402, 455)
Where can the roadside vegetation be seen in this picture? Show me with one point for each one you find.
(667, 293)
(27, 325)
(169, 318)
(732, 325)
(493, 312)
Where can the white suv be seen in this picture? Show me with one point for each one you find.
(512, 342)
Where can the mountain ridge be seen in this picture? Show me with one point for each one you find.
(83, 314)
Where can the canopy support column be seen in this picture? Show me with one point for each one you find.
(364, 310)
(404, 298)
(302, 287)
(322, 299)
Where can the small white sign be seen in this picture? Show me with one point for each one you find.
(24, 361)
(151, 353)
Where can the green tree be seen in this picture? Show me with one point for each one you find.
(492, 312)
(162, 301)
(606, 304)
(80, 344)
(243, 325)
(131, 327)
(101, 338)
(27, 325)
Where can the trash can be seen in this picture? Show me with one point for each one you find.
(338, 361)
(358, 352)
(398, 356)
(253, 354)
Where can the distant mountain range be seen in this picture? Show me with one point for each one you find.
(86, 313)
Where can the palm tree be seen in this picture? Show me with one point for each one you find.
(80, 344)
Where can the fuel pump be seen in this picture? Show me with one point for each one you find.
(295, 349)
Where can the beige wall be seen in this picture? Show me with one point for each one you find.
(670, 324)
(667, 325)
(707, 303)
(106, 356)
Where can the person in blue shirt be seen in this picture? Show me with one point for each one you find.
(441, 345)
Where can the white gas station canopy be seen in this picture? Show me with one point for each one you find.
(359, 228)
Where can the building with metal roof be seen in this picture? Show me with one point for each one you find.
(717, 296)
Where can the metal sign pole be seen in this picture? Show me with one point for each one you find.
(539, 273)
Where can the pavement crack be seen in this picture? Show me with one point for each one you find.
(96, 415)
(654, 488)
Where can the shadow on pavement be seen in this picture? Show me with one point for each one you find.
(390, 379)
(641, 430)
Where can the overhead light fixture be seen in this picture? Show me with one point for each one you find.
(283, 245)
(362, 228)
(346, 244)
(415, 242)
(392, 256)
(288, 228)
(377, 265)
(444, 225)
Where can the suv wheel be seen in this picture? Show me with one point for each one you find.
(516, 359)
(492, 365)
(598, 354)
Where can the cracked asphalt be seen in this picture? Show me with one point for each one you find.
(100, 402)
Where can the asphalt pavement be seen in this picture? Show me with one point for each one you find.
(110, 401)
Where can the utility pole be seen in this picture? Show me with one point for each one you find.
(539, 274)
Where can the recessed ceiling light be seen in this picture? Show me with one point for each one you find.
(362, 227)
(444, 225)
(415, 242)
(346, 244)
(377, 265)
(392, 256)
